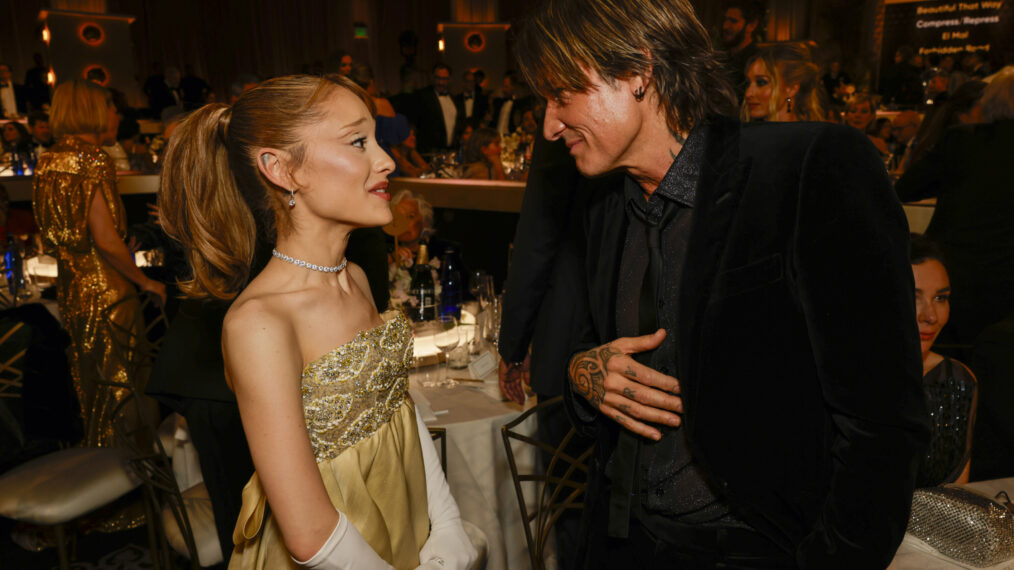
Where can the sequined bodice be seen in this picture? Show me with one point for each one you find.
(350, 392)
(950, 392)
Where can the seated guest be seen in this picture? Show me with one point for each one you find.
(963, 107)
(416, 216)
(968, 173)
(904, 128)
(409, 161)
(42, 137)
(949, 385)
(482, 156)
(935, 81)
(860, 113)
(16, 137)
(782, 86)
(880, 133)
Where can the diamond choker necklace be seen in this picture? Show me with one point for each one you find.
(301, 263)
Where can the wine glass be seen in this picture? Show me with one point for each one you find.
(447, 337)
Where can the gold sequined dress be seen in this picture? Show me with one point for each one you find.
(66, 179)
(362, 427)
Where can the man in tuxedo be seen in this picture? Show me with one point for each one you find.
(42, 136)
(474, 100)
(12, 97)
(508, 108)
(436, 113)
(746, 354)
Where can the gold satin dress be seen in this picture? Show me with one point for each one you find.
(66, 179)
(362, 426)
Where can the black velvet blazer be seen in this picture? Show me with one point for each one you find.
(798, 349)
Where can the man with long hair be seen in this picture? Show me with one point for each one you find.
(745, 354)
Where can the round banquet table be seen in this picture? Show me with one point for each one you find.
(477, 469)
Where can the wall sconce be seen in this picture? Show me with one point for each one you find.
(440, 44)
(45, 34)
(51, 77)
(91, 33)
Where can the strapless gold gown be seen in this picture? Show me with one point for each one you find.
(362, 426)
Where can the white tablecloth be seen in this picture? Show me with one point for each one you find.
(477, 468)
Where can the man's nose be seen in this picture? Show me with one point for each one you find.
(552, 126)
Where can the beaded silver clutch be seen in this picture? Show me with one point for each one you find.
(963, 525)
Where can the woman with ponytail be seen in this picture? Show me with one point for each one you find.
(346, 473)
(783, 86)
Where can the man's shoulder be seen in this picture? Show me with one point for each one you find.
(762, 140)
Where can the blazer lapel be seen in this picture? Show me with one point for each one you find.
(723, 176)
(607, 215)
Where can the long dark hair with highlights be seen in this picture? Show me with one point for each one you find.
(620, 39)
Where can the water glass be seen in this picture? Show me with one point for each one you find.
(447, 337)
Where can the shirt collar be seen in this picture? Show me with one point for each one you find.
(679, 183)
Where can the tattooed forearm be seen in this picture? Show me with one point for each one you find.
(588, 375)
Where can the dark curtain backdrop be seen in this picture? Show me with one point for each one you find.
(223, 38)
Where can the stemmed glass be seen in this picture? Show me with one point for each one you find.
(447, 337)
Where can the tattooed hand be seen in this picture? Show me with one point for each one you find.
(625, 390)
(512, 378)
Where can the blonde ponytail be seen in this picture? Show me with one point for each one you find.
(201, 207)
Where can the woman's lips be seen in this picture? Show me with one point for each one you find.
(380, 191)
(927, 336)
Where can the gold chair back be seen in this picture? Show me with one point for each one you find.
(557, 487)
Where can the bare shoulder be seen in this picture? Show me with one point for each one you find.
(258, 341)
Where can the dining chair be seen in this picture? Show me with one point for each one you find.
(58, 488)
(559, 485)
(179, 521)
(439, 436)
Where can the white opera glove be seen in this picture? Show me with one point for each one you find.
(345, 549)
(448, 547)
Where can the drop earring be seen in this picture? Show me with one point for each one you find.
(292, 198)
(790, 104)
(639, 94)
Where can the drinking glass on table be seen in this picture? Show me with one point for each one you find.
(447, 337)
(476, 283)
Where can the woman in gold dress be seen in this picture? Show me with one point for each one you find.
(346, 474)
(80, 213)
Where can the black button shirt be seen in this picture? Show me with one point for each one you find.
(668, 481)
